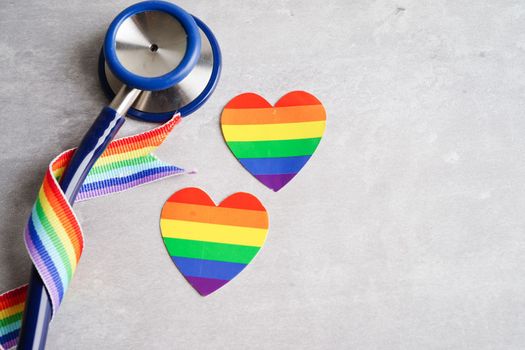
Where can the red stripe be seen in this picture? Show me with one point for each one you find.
(242, 200)
(251, 100)
(13, 297)
(297, 98)
(151, 138)
(239, 200)
(248, 100)
(192, 195)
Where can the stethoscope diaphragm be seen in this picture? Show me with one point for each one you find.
(185, 97)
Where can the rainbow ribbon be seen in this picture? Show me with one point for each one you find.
(53, 236)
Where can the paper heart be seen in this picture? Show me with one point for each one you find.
(273, 142)
(211, 244)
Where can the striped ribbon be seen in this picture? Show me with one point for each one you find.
(53, 236)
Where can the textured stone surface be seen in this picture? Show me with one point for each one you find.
(404, 231)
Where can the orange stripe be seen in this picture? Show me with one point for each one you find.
(62, 160)
(123, 148)
(293, 114)
(64, 216)
(8, 305)
(215, 215)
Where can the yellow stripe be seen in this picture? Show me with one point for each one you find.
(262, 132)
(121, 156)
(59, 229)
(58, 172)
(200, 231)
(10, 311)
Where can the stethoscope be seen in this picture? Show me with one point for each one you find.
(156, 60)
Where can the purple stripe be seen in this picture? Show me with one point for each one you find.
(41, 266)
(122, 187)
(140, 173)
(205, 286)
(275, 182)
(11, 343)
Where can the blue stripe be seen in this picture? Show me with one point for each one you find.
(124, 180)
(44, 256)
(9, 336)
(208, 268)
(274, 166)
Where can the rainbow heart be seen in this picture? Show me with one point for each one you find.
(273, 143)
(212, 244)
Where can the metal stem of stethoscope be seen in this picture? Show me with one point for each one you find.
(163, 72)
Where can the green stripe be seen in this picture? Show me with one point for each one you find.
(210, 251)
(272, 149)
(4, 322)
(13, 326)
(121, 164)
(54, 239)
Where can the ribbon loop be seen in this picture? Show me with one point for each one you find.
(53, 236)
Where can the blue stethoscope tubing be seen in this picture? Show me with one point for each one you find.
(37, 313)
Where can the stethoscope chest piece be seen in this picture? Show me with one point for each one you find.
(148, 45)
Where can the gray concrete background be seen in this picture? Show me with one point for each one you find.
(404, 231)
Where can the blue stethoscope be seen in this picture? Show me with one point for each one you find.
(156, 60)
